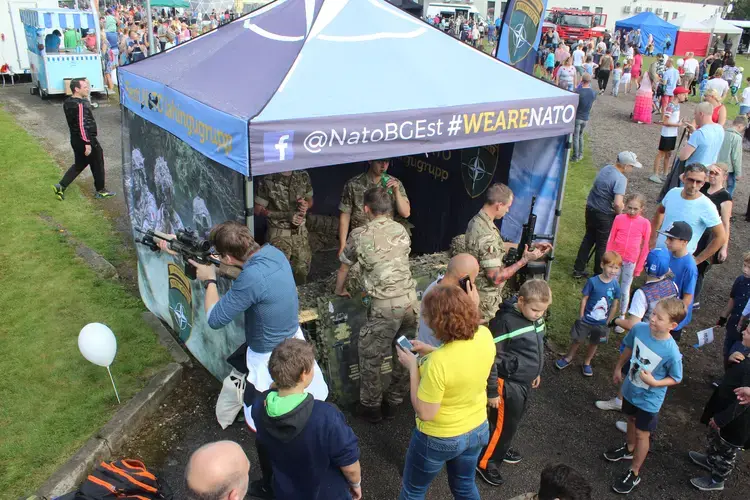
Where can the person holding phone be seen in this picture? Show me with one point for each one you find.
(448, 393)
(462, 268)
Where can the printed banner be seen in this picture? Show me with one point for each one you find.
(219, 136)
(313, 142)
(519, 36)
(170, 186)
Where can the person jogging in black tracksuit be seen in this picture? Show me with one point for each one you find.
(519, 339)
(86, 148)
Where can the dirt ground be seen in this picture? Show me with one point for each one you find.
(562, 424)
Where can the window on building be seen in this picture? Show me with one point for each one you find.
(585, 7)
(666, 16)
(599, 10)
(491, 10)
(502, 9)
(674, 15)
(649, 9)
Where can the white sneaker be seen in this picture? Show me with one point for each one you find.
(619, 329)
(622, 426)
(610, 404)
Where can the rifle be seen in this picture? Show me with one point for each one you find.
(190, 246)
(527, 238)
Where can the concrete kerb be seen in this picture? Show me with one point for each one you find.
(123, 424)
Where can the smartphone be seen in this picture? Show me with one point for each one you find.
(404, 342)
(462, 283)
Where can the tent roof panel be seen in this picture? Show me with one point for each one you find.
(369, 82)
(644, 19)
(236, 68)
(685, 24)
(720, 26)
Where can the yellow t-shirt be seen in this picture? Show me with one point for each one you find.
(455, 375)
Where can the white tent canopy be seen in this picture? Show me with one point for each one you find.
(685, 24)
(741, 24)
(719, 26)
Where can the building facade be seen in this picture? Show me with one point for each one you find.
(696, 10)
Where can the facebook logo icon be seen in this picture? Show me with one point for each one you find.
(277, 146)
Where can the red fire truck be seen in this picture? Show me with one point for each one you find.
(575, 24)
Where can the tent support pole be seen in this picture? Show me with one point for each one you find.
(249, 204)
(151, 48)
(558, 205)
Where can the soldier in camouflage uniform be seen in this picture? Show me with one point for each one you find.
(382, 249)
(284, 199)
(352, 199)
(483, 241)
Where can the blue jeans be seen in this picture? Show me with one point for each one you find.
(578, 138)
(427, 455)
(731, 182)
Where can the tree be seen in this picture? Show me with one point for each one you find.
(740, 9)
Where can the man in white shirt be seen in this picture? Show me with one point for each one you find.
(578, 56)
(691, 69)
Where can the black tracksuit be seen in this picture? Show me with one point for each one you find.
(518, 361)
(83, 133)
(732, 418)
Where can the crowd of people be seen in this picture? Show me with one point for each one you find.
(471, 360)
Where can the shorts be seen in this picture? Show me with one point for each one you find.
(667, 143)
(596, 334)
(644, 421)
(636, 73)
(579, 70)
(733, 89)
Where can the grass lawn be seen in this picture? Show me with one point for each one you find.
(51, 398)
(566, 291)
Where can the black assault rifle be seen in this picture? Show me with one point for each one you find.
(527, 238)
(190, 246)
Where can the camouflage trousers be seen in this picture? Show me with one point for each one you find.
(721, 456)
(387, 319)
(295, 245)
(489, 303)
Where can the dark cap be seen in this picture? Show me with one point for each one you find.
(678, 230)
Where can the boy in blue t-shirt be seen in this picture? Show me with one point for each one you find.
(655, 364)
(732, 314)
(599, 306)
(683, 267)
(549, 64)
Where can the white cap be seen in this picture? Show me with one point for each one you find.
(628, 158)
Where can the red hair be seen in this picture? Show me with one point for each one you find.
(450, 313)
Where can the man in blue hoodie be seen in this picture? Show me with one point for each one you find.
(314, 454)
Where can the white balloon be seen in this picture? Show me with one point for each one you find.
(97, 343)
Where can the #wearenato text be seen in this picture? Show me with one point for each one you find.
(473, 123)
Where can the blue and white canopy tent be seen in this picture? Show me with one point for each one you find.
(300, 84)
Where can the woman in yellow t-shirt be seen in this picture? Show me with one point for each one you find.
(448, 393)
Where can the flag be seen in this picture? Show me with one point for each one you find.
(520, 32)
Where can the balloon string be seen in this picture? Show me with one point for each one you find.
(113, 385)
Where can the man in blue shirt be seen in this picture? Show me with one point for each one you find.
(671, 78)
(52, 41)
(705, 143)
(265, 293)
(655, 364)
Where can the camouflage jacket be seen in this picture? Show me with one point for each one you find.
(382, 249)
(279, 193)
(483, 241)
(353, 200)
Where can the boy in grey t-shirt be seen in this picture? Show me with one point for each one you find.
(605, 201)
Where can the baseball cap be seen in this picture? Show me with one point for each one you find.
(657, 262)
(678, 230)
(628, 158)
(680, 90)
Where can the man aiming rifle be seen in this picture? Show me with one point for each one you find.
(265, 293)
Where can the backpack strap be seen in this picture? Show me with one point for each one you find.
(116, 470)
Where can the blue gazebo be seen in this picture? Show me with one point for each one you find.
(650, 24)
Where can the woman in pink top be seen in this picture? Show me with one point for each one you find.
(629, 237)
(637, 64)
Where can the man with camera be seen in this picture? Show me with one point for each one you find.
(265, 293)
